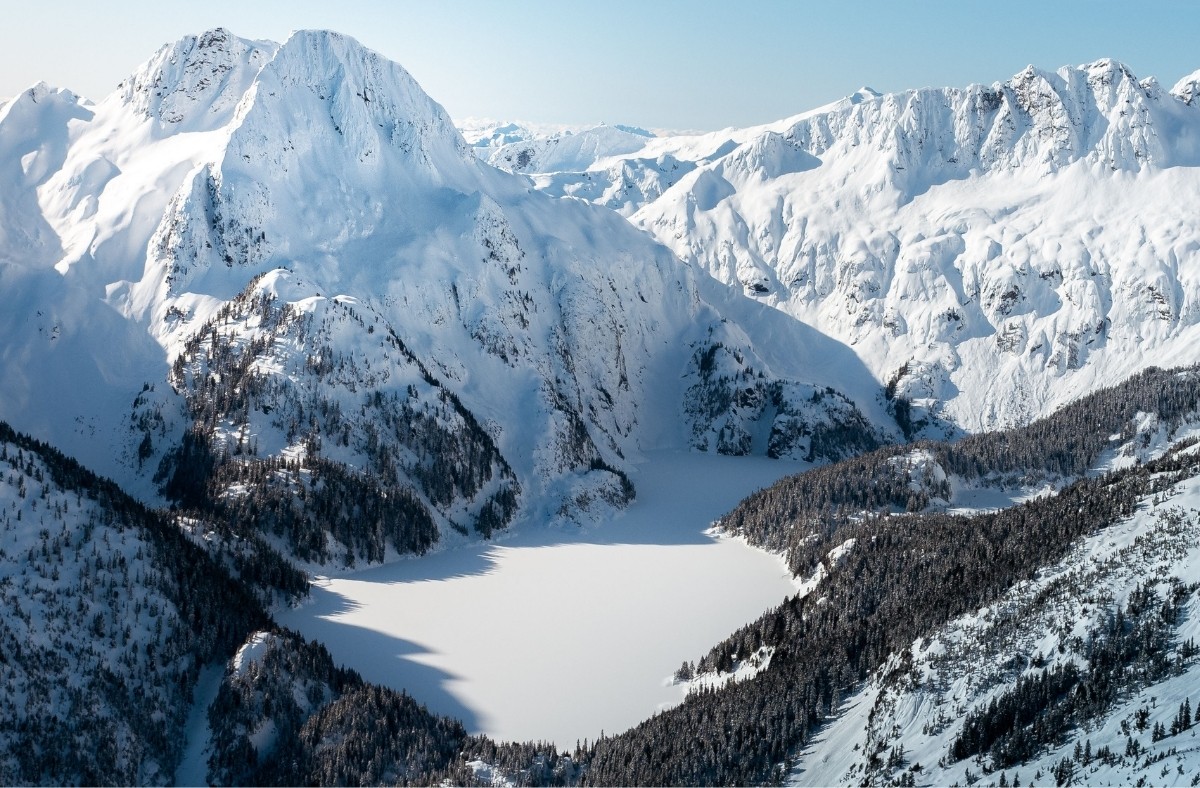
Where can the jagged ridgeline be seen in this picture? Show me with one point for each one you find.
(311, 418)
(959, 250)
(110, 612)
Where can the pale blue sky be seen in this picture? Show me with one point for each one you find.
(669, 64)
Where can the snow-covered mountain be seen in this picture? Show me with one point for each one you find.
(621, 167)
(1021, 602)
(991, 252)
(545, 147)
(273, 286)
(291, 267)
(933, 712)
(1110, 625)
(568, 151)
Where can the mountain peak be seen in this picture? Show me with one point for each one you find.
(327, 59)
(24, 119)
(1107, 65)
(39, 92)
(638, 130)
(198, 79)
(1107, 72)
(864, 94)
(1187, 89)
(336, 89)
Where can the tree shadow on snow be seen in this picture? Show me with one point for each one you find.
(679, 495)
(391, 663)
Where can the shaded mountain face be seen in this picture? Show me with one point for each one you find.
(990, 252)
(110, 612)
(273, 278)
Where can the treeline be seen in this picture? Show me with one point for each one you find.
(202, 592)
(1070, 442)
(370, 735)
(1132, 650)
(280, 682)
(332, 728)
(519, 763)
(303, 503)
(904, 578)
(801, 515)
(108, 618)
(250, 559)
(328, 726)
(372, 476)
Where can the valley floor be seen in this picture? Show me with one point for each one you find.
(558, 633)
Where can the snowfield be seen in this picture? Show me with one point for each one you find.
(992, 251)
(559, 633)
(975, 658)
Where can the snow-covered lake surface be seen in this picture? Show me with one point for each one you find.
(557, 633)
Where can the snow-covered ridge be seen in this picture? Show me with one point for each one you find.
(1188, 88)
(910, 715)
(197, 81)
(568, 152)
(487, 135)
(1009, 246)
(561, 334)
(1100, 111)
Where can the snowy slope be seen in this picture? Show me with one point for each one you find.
(294, 233)
(1015, 245)
(60, 377)
(569, 151)
(907, 717)
(108, 615)
(996, 250)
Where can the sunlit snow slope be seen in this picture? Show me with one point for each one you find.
(1137, 580)
(272, 281)
(994, 251)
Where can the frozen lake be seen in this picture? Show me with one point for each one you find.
(559, 633)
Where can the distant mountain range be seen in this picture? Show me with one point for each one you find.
(991, 253)
(299, 319)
